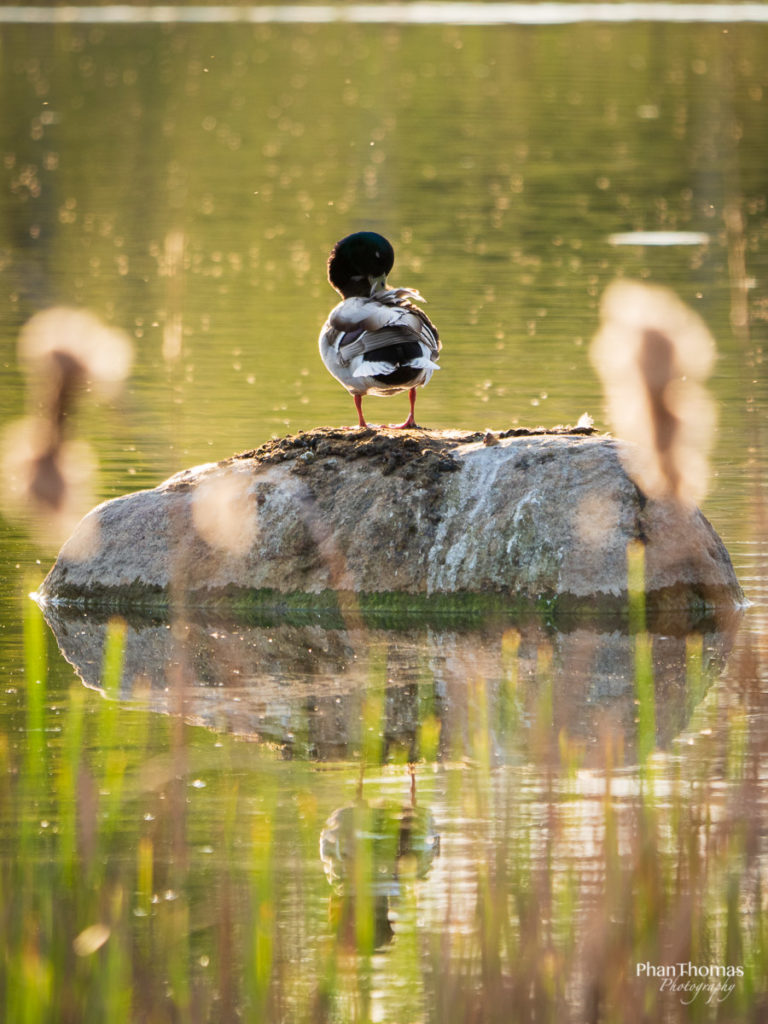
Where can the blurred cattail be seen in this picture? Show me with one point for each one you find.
(48, 475)
(653, 355)
(62, 347)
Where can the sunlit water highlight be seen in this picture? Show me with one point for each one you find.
(394, 13)
(659, 238)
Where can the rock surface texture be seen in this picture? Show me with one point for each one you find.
(520, 515)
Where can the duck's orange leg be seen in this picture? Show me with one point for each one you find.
(411, 421)
(359, 406)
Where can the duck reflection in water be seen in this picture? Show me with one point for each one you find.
(383, 846)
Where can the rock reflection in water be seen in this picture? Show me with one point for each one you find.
(303, 687)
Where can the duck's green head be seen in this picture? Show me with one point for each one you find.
(359, 264)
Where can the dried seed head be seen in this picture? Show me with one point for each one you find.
(653, 355)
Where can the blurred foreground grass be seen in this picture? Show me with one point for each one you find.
(154, 871)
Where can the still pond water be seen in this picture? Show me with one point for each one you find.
(160, 854)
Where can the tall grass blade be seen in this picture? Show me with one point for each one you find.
(645, 688)
(35, 675)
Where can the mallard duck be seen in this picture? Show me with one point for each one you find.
(376, 341)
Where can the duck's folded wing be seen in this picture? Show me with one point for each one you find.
(370, 341)
(406, 327)
(386, 310)
(414, 320)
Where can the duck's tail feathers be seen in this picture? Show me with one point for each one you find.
(422, 363)
(374, 369)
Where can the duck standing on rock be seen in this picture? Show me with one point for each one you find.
(376, 341)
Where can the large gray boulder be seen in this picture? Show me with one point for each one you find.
(414, 517)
